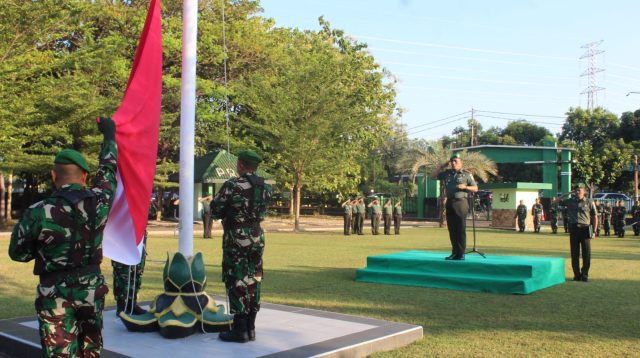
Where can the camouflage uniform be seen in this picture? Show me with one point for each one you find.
(242, 204)
(606, 220)
(536, 212)
(553, 216)
(127, 280)
(599, 211)
(521, 214)
(63, 233)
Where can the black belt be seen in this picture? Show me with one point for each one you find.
(582, 226)
(51, 278)
(239, 225)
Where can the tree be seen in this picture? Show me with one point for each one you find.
(599, 156)
(316, 108)
(476, 163)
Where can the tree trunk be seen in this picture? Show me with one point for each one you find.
(3, 214)
(291, 210)
(159, 204)
(9, 188)
(296, 210)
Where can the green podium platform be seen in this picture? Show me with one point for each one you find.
(496, 274)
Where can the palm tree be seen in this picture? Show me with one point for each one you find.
(476, 163)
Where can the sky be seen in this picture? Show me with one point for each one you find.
(506, 60)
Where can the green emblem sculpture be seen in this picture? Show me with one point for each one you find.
(184, 307)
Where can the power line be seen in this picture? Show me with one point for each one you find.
(521, 119)
(438, 120)
(462, 48)
(439, 125)
(510, 94)
(522, 114)
(481, 80)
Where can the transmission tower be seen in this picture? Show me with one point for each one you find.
(592, 89)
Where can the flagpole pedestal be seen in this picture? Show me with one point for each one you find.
(184, 308)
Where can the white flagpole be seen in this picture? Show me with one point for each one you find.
(187, 123)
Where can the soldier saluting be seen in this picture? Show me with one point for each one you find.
(242, 205)
(63, 233)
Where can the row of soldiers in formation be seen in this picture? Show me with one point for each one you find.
(355, 211)
(609, 216)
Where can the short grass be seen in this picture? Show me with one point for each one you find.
(317, 270)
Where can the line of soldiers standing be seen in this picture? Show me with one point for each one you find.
(355, 211)
(609, 217)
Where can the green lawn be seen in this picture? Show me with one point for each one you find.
(317, 270)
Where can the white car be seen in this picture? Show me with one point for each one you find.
(611, 196)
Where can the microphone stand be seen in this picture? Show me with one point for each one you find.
(473, 221)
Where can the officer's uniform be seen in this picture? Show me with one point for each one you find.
(536, 212)
(63, 233)
(387, 214)
(553, 217)
(397, 219)
(599, 211)
(521, 214)
(457, 208)
(635, 214)
(606, 220)
(242, 204)
(207, 220)
(362, 210)
(347, 215)
(620, 215)
(376, 215)
(583, 221)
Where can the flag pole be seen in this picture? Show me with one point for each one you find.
(187, 124)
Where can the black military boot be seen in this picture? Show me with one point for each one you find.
(251, 325)
(120, 305)
(129, 307)
(239, 331)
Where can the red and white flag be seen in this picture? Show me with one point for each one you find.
(137, 127)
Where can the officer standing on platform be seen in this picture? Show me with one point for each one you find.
(536, 212)
(606, 218)
(63, 233)
(553, 215)
(521, 215)
(458, 183)
(583, 223)
(242, 204)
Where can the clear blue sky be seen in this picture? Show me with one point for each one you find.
(495, 56)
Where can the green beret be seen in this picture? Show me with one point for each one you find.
(455, 155)
(249, 157)
(70, 156)
(580, 186)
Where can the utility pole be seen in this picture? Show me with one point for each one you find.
(592, 88)
(635, 176)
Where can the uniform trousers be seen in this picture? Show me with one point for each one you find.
(457, 209)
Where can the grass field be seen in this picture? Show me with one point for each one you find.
(317, 270)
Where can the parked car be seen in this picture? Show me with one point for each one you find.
(611, 196)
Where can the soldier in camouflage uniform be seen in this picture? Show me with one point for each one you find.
(620, 215)
(536, 212)
(606, 218)
(63, 233)
(553, 215)
(127, 280)
(521, 214)
(242, 204)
